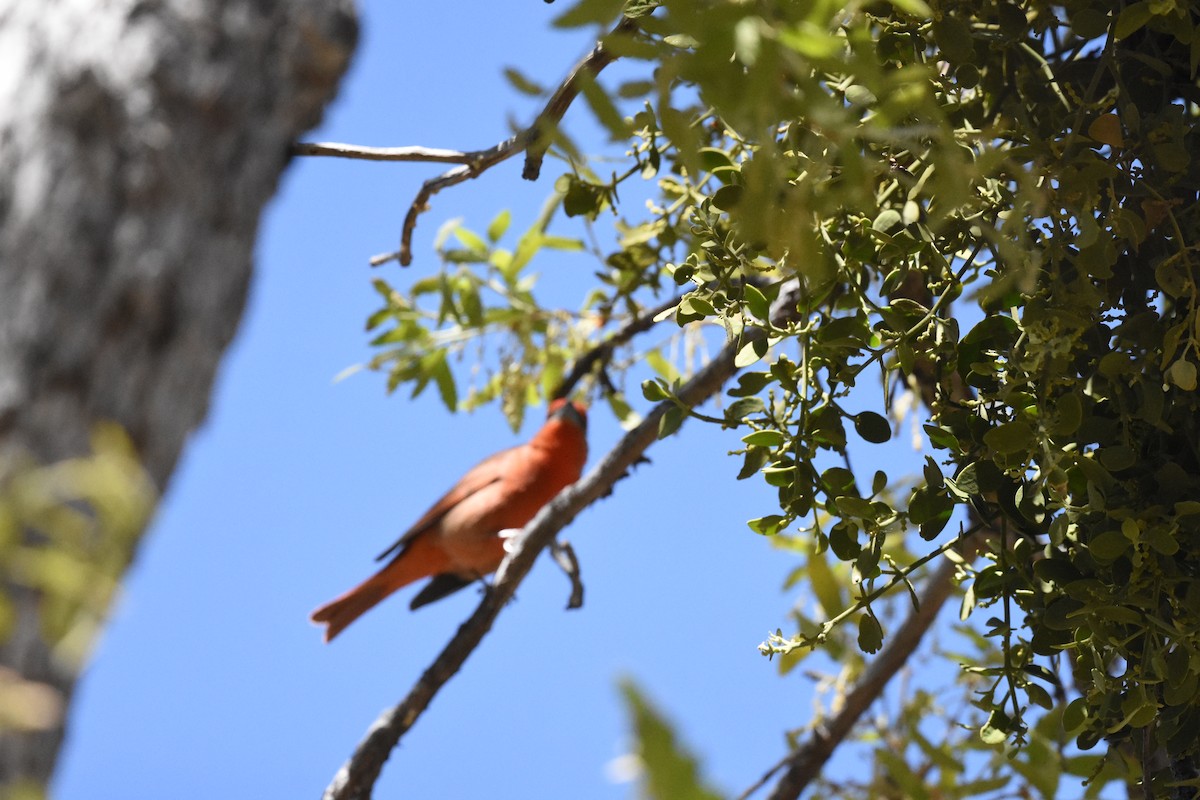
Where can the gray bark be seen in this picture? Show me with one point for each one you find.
(139, 142)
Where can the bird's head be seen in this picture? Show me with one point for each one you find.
(569, 411)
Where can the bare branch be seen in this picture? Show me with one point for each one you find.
(533, 141)
(365, 153)
(804, 764)
(356, 778)
(542, 128)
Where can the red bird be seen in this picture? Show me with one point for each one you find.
(457, 541)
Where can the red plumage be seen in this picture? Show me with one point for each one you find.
(457, 540)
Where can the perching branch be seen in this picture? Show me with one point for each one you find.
(533, 141)
(804, 764)
(356, 779)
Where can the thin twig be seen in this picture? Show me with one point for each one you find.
(804, 764)
(365, 153)
(540, 132)
(356, 779)
(533, 141)
(602, 352)
(564, 556)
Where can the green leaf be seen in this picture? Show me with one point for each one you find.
(1117, 457)
(470, 240)
(811, 40)
(838, 480)
(580, 198)
(916, 8)
(562, 243)
(767, 438)
(933, 474)
(695, 306)
(470, 303)
(1132, 19)
(383, 288)
(587, 12)
(755, 459)
(900, 775)
(670, 421)
(654, 391)
(870, 634)
(992, 736)
(661, 366)
(523, 84)
(872, 427)
(843, 541)
(376, 319)
(751, 383)
(1010, 437)
(740, 409)
(768, 525)
(1183, 374)
(1075, 715)
(942, 438)
(965, 484)
(757, 303)
(930, 510)
(1109, 546)
(825, 585)
(859, 95)
(499, 226)
(851, 506)
(1067, 415)
(447, 389)
(887, 221)
(607, 113)
(671, 773)
(640, 8)
(626, 416)
(751, 353)
(954, 39)
(728, 197)
(631, 89)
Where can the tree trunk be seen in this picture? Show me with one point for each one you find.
(139, 142)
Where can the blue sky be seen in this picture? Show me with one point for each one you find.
(211, 682)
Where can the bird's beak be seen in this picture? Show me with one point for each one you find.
(570, 412)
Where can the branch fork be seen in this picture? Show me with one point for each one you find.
(533, 141)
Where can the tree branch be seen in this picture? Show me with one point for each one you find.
(533, 141)
(364, 153)
(804, 764)
(356, 778)
(603, 352)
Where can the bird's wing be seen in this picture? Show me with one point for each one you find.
(491, 470)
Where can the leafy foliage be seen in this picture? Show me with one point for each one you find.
(67, 533)
(989, 205)
(670, 772)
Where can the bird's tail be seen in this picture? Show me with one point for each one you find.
(420, 559)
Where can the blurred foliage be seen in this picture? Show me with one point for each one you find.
(668, 771)
(988, 206)
(67, 533)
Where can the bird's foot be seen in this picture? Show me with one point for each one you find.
(509, 537)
